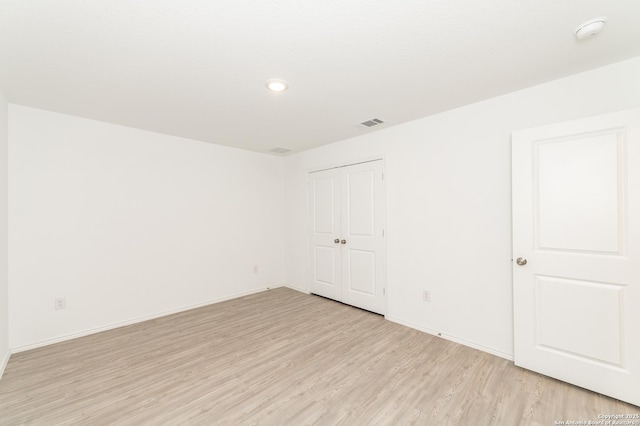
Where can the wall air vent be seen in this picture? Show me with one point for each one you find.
(372, 122)
(279, 150)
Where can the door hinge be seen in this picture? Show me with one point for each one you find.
(384, 291)
(382, 175)
(383, 233)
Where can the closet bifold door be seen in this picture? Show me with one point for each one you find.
(347, 235)
(325, 255)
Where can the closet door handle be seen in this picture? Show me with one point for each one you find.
(343, 241)
(336, 241)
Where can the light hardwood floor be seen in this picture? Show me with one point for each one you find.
(281, 357)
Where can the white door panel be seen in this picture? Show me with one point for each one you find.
(326, 193)
(347, 245)
(578, 188)
(562, 328)
(362, 214)
(324, 259)
(324, 206)
(360, 266)
(358, 199)
(576, 220)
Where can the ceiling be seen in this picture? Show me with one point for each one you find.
(197, 68)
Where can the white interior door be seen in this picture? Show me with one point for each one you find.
(325, 256)
(347, 236)
(362, 221)
(576, 223)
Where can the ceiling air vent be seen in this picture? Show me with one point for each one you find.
(372, 122)
(279, 150)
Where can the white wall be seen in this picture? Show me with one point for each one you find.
(448, 183)
(128, 224)
(4, 284)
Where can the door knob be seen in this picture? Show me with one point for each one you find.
(521, 261)
(336, 241)
(344, 241)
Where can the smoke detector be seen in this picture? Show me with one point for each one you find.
(590, 28)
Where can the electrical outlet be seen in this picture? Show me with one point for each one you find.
(60, 303)
(426, 295)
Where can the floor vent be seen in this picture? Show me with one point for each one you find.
(279, 150)
(372, 122)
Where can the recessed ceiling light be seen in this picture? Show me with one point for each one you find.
(277, 85)
(590, 28)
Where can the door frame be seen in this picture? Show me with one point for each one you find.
(338, 165)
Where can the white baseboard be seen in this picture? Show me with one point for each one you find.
(453, 338)
(131, 321)
(301, 290)
(4, 361)
(468, 343)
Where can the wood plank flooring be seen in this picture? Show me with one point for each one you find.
(281, 358)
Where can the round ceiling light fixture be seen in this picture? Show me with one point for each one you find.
(590, 28)
(277, 85)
